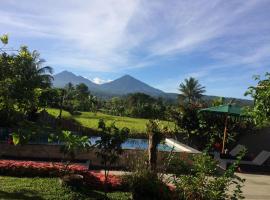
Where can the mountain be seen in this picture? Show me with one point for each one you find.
(64, 77)
(127, 84)
(121, 86)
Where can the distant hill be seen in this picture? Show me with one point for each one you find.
(123, 86)
(127, 84)
(208, 98)
(64, 77)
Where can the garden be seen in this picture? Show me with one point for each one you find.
(66, 118)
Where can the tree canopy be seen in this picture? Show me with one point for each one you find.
(261, 95)
(191, 90)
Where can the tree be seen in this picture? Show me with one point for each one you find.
(71, 145)
(261, 96)
(50, 98)
(29, 75)
(82, 91)
(62, 94)
(110, 145)
(21, 81)
(4, 39)
(191, 90)
(69, 94)
(218, 101)
(93, 103)
(82, 97)
(155, 134)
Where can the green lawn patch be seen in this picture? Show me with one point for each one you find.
(48, 188)
(90, 120)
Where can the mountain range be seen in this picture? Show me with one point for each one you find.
(122, 86)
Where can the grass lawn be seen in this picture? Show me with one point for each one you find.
(90, 120)
(48, 188)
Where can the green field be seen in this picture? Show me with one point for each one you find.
(90, 120)
(48, 188)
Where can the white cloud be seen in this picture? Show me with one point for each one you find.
(98, 80)
(110, 35)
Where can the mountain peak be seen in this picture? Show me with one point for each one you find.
(128, 84)
(121, 86)
(65, 72)
(127, 76)
(64, 77)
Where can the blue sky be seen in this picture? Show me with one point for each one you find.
(221, 43)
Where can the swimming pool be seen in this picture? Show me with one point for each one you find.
(130, 143)
(142, 144)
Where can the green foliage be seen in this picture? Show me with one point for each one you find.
(110, 142)
(21, 136)
(74, 98)
(49, 97)
(156, 135)
(261, 96)
(4, 39)
(138, 105)
(206, 183)
(198, 129)
(191, 90)
(110, 145)
(144, 184)
(218, 101)
(22, 77)
(71, 143)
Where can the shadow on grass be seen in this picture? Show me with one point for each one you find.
(93, 194)
(21, 194)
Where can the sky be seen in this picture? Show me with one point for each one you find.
(220, 43)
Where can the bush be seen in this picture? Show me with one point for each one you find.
(205, 182)
(146, 185)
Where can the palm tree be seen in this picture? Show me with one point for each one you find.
(93, 101)
(191, 90)
(43, 74)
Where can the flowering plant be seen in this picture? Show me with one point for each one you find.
(95, 179)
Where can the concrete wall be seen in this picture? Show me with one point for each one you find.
(48, 152)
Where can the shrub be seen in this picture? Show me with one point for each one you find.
(110, 146)
(206, 183)
(146, 185)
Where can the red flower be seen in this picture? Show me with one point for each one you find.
(93, 178)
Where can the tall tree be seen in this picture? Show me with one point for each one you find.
(30, 75)
(155, 135)
(22, 78)
(261, 96)
(191, 90)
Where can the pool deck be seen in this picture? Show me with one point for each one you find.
(256, 187)
(180, 146)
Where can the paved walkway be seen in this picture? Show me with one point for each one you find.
(257, 187)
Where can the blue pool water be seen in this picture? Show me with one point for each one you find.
(129, 144)
(136, 144)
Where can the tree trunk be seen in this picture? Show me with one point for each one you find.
(152, 152)
(61, 108)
